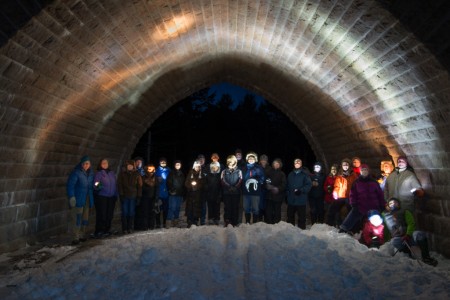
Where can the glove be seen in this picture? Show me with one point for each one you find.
(297, 192)
(138, 201)
(406, 238)
(72, 202)
(419, 193)
(329, 189)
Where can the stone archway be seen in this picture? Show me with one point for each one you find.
(91, 76)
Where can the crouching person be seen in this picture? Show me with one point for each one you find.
(373, 230)
(130, 191)
(80, 192)
(402, 228)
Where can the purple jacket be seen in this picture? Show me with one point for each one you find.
(366, 194)
(105, 183)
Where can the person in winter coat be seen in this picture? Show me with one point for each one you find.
(139, 164)
(276, 191)
(328, 187)
(231, 179)
(105, 196)
(365, 195)
(130, 191)
(316, 194)
(145, 214)
(264, 163)
(386, 169)
(213, 192)
(372, 234)
(402, 228)
(298, 186)
(253, 180)
(175, 185)
(240, 165)
(162, 172)
(194, 185)
(403, 185)
(341, 192)
(356, 165)
(80, 188)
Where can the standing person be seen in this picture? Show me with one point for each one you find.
(105, 196)
(402, 228)
(130, 191)
(403, 185)
(253, 176)
(316, 195)
(328, 187)
(356, 165)
(264, 163)
(146, 218)
(194, 185)
(341, 192)
(231, 179)
(298, 186)
(80, 192)
(213, 192)
(204, 170)
(276, 191)
(365, 195)
(175, 184)
(162, 172)
(386, 169)
(139, 161)
(240, 166)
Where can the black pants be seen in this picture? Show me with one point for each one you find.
(273, 211)
(300, 210)
(317, 209)
(231, 208)
(145, 216)
(104, 213)
(333, 216)
(214, 208)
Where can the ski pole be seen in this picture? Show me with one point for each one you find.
(412, 252)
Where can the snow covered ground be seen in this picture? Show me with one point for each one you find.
(256, 261)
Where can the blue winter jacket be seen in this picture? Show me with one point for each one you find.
(80, 184)
(161, 178)
(301, 181)
(253, 179)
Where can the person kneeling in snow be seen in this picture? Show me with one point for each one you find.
(373, 231)
(402, 227)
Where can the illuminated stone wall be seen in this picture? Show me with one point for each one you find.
(89, 77)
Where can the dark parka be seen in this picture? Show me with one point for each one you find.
(277, 180)
(299, 180)
(175, 183)
(130, 184)
(194, 193)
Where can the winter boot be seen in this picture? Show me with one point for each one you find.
(124, 225)
(247, 218)
(83, 233)
(168, 224)
(130, 224)
(426, 258)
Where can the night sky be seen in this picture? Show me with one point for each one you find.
(221, 119)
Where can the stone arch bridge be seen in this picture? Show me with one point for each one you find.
(358, 77)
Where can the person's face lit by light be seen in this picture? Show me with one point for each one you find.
(387, 168)
(104, 164)
(86, 165)
(364, 172)
(177, 166)
(345, 166)
(333, 171)
(356, 163)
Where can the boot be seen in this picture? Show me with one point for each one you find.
(124, 225)
(175, 223)
(83, 233)
(130, 224)
(247, 218)
(168, 224)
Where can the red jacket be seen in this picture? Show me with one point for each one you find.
(328, 187)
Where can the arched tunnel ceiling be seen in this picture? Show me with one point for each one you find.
(91, 76)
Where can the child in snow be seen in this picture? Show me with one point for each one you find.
(402, 227)
(373, 231)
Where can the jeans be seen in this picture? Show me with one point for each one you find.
(128, 206)
(174, 207)
(251, 204)
(352, 219)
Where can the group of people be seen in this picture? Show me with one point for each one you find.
(349, 197)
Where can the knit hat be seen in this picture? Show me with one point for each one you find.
(278, 160)
(263, 158)
(85, 159)
(250, 154)
(364, 166)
